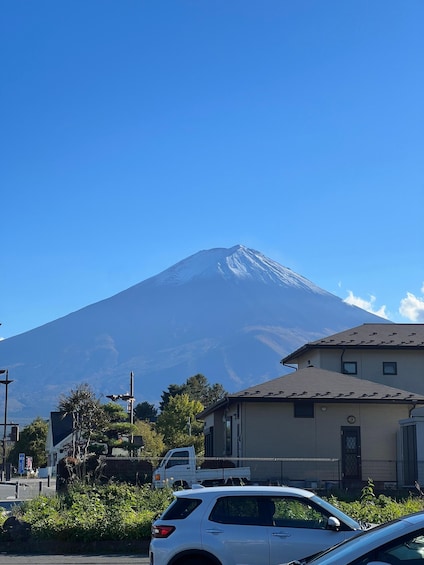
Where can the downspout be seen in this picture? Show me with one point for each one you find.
(341, 359)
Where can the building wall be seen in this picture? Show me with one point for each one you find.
(410, 365)
(269, 430)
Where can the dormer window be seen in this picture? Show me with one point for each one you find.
(349, 367)
(389, 368)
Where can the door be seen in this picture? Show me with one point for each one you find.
(410, 458)
(351, 455)
(179, 467)
(300, 529)
(234, 532)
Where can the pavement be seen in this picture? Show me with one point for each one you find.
(7, 559)
(22, 488)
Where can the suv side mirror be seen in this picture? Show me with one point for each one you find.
(333, 523)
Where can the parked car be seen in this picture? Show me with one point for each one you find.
(249, 525)
(7, 506)
(399, 542)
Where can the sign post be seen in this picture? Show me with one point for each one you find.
(21, 466)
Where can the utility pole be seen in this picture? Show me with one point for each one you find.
(5, 382)
(131, 406)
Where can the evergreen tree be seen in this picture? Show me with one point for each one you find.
(32, 442)
(146, 411)
(196, 387)
(88, 418)
(117, 430)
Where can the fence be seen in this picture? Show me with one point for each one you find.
(325, 473)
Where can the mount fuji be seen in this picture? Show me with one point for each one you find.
(229, 314)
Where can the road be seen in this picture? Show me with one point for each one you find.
(72, 559)
(24, 489)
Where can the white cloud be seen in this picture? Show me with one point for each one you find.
(367, 305)
(412, 307)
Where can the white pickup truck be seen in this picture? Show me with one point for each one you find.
(179, 468)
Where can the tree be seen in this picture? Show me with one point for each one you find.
(117, 429)
(88, 418)
(146, 411)
(153, 444)
(32, 442)
(196, 387)
(178, 424)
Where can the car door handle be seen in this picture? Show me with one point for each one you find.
(214, 531)
(281, 534)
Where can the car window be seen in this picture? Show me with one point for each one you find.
(289, 512)
(181, 508)
(407, 551)
(297, 513)
(244, 510)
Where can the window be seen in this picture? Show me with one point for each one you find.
(389, 368)
(229, 436)
(244, 510)
(299, 513)
(285, 512)
(349, 367)
(304, 410)
(181, 508)
(407, 549)
(209, 442)
(178, 458)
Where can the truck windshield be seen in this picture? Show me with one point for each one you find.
(178, 458)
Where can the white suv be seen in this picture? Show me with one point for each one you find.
(246, 525)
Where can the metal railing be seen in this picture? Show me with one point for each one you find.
(324, 473)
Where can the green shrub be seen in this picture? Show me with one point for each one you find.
(117, 511)
(372, 509)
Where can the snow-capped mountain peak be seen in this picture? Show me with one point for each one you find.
(237, 262)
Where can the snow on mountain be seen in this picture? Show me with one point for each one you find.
(230, 314)
(238, 262)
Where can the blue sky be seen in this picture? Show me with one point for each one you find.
(136, 133)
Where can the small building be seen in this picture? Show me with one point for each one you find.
(313, 427)
(59, 437)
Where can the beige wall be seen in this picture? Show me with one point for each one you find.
(268, 430)
(410, 365)
(271, 430)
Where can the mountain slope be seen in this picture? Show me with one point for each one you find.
(230, 314)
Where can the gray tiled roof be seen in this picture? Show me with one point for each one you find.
(319, 384)
(368, 336)
(61, 426)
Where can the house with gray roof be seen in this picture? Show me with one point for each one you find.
(313, 428)
(390, 354)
